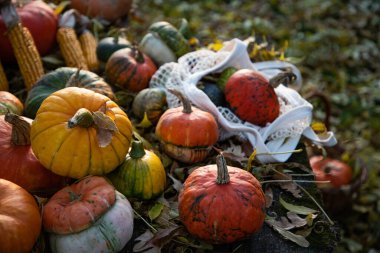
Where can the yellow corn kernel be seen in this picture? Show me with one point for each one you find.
(88, 43)
(26, 53)
(70, 48)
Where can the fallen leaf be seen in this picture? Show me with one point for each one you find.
(155, 210)
(297, 209)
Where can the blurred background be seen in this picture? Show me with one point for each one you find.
(336, 46)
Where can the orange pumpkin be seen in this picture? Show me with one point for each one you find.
(333, 170)
(187, 133)
(78, 132)
(221, 204)
(18, 163)
(20, 220)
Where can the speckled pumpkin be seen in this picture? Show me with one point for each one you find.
(187, 133)
(142, 174)
(221, 204)
(88, 216)
(79, 132)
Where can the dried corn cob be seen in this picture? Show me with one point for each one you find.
(70, 48)
(88, 43)
(3, 79)
(26, 53)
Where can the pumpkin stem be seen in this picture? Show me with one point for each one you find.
(223, 176)
(185, 101)
(74, 79)
(9, 14)
(137, 150)
(285, 77)
(20, 129)
(137, 54)
(83, 118)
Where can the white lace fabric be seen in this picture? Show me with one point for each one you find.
(272, 142)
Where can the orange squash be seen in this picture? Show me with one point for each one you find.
(78, 132)
(20, 220)
(221, 204)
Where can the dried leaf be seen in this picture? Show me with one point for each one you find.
(310, 218)
(297, 209)
(155, 211)
(177, 185)
(268, 197)
(144, 243)
(298, 239)
(291, 221)
(104, 121)
(104, 137)
(288, 186)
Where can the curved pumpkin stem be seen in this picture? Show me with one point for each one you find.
(83, 118)
(223, 176)
(137, 150)
(20, 129)
(185, 101)
(137, 54)
(74, 79)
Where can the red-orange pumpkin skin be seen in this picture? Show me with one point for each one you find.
(76, 207)
(333, 170)
(19, 165)
(251, 97)
(20, 219)
(221, 213)
(130, 69)
(42, 23)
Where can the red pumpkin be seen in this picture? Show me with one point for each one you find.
(110, 10)
(130, 69)
(333, 170)
(18, 163)
(42, 23)
(221, 204)
(251, 97)
(20, 220)
(187, 133)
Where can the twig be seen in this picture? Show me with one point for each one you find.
(146, 222)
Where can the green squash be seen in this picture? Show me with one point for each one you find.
(108, 45)
(141, 176)
(62, 78)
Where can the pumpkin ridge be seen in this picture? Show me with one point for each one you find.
(118, 69)
(35, 135)
(57, 150)
(72, 107)
(131, 76)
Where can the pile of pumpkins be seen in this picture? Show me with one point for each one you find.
(72, 143)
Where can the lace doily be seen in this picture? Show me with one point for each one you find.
(280, 136)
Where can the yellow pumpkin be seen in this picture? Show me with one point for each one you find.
(78, 132)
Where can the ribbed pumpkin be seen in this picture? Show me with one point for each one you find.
(187, 133)
(221, 204)
(130, 69)
(142, 174)
(62, 78)
(88, 216)
(18, 163)
(42, 23)
(10, 103)
(78, 132)
(20, 220)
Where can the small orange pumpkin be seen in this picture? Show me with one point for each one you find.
(187, 133)
(221, 204)
(79, 132)
(20, 220)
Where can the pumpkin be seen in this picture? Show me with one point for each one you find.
(59, 79)
(108, 45)
(333, 170)
(130, 69)
(221, 204)
(42, 23)
(214, 93)
(150, 101)
(164, 43)
(10, 103)
(110, 10)
(73, 116)
(20, 220)
(88, 216)
(141, 175)
(18, 162)
(187, 133)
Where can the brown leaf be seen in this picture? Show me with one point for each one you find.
(288, 186)
(154, 242)
(268, 197)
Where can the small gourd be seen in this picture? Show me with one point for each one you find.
(10, 103)
(141, 175)
(88, 216)
(187, 133)
(151, 101)
(221, 204)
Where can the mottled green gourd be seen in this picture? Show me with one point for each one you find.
(141, 175)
